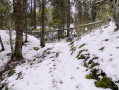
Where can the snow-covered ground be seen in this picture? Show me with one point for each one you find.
(54, 68)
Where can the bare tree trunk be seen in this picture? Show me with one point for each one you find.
(115, 4)
(2, 44)
(26, 21)
(43, 24)
(31, 14)
(68, 18)
(10, 29)
(34, 14)
(1, 21)
(19, 30)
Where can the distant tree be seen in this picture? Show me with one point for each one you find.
(34, 14)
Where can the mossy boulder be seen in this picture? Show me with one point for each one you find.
(106, 82)
(36, 48)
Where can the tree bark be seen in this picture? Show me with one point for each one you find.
(19, 32)
(68, 18)
(2, 44)
(43, 24)
(34, 14)
(25, 27)
(10, 29)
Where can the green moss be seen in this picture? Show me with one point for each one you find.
(90, 76)
(94, 64)
(106, 83)
(79, 53)
(6, 88)
(93, 74)
(19, 74)
(2, 86)
(36, 48)
(85, 65)
(18, 56)
(81, 56)
(106, 39)
(82, 45)
(12, 71)
(95, 58)
(102, 48)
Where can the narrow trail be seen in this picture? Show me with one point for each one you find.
(56, 69)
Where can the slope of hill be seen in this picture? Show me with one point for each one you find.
(90, 63)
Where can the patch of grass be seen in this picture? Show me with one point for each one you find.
(106, 82)
(94, 64)
(19, 74)
(95, 58)
(36, 48)
(79, 53)
(82, 45)
(93, 74)
(102, 48)
(82, 56)
(85, 64)
(12, 71)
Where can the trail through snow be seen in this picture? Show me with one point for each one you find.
(57, 71)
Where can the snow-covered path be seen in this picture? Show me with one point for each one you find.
(56, 69)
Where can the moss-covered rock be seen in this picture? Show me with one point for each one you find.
(36, 48)
(106, 82)
(82, 45)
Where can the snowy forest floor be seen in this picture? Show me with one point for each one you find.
(60, 66)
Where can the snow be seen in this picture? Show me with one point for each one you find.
(54, 68)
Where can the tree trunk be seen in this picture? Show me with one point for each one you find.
(19, 32)
(34, 14)
(25, 27)
(68, 18)
(2, 44)
(31, 14)
(1, 22)
(116, 12)
(43, 24)
(10, 29)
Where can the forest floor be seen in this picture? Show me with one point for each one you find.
(61, 66)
